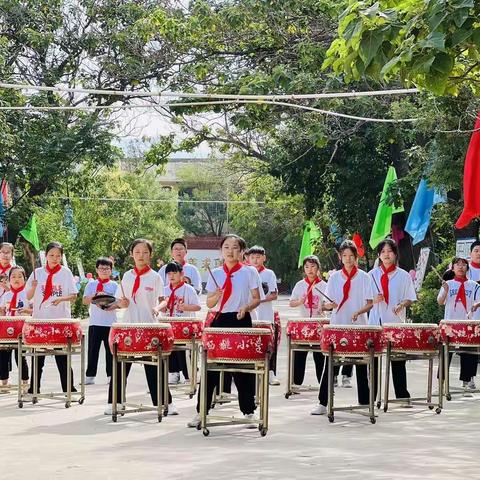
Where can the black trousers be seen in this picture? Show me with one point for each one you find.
(399, 378)
(178, 363)
(96, 336)
(347, 370)
(6, 363)
(151, 376)
(299, 363)
(61, 361)
(468, 365)
(245, 382)
(363, 391)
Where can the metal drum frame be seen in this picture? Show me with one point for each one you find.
(34, 352)
(160, 360)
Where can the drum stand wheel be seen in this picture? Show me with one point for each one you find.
(431, 407)
(81, 400)
(20, 404)
(331, 418)
(206, 432)
(114, 418)
(438, 410)
(287, 395)
(448, 396)
(159, 418)
(68, 404)
(379, 404)
(263, 431)
(373, 420)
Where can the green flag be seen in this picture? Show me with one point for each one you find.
(383, 219)
(30, 234)
(310, 234)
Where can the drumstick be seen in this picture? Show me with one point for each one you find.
(213, 278)
(437, 274)
(376, 284)
(326, 296)
(121, 286)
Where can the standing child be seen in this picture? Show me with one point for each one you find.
(352, 295)
(52, 289)
(394, 293)
(140, 292)
(458, 296)
(473, 272)
(306, 296)
(257, 259)
(14, 303)
(178, 249)
(101, 319)
(237, 296)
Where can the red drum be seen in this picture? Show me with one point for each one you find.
(461, 332)
(352, 340)
(11, 328)
(408, 337)
(306, 330)
(58, 332)
(141, 338)
(236, 345)
(185, 328)
(211, 314)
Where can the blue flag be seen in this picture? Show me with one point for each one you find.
(421, 211)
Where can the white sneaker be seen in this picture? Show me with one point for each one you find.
(272, 379)
(471, 385)
(252, 417)
(109, 409)
(173, 378)
(89, 380)
(172, 409)
(194, 422)
(467, 393)
(346, 383)
(407, 404)
(335, 381)
(319, 410)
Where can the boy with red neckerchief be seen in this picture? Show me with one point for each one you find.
(473, 272)
(100, 320)
(351, 291)
(6, 257)
(257, 258)
(306, 297)
(14, 303)
(459, 297)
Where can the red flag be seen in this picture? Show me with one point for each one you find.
(471, 180)
(357, 240)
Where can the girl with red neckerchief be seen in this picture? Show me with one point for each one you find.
(14, 303)
(234, 287)
(458, 296)
(351, 291)
(6, 257)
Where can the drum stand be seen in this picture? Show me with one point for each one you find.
(68, 397)
(10, 387)
(297, 347)
(192, 365)
(422, 401)
(259, 369)
(160, 360)
(447, 349)
(336, 360)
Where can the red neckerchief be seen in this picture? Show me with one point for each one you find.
(384, 279)
(100, 284)
(475, 265)
(461, 296)
(310, 291)
(261, 269)
(49, 283)
(347, 284)
(4, 270)
(171, 298)
(136, 283)
(227, 286)
(13, 302)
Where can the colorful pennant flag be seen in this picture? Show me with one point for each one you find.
(310, 234)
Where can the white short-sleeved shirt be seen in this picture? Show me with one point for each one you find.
(190, 271)
(22, 301)
(186, 295)
(457, 311)
(268, 285)
(98, 316)
(400, 288)
(146, 298)
(473, 273)
(243, 281)
(360, 291)
(63, 284)
(300, 290)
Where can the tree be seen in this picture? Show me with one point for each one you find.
(431, 44)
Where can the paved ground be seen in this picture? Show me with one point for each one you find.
(47, 441)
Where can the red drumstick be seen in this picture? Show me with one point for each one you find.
(213, 278)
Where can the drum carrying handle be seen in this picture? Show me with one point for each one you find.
(370, 343)
(431, 339)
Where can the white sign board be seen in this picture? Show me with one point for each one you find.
(203, 259)
(421, 267)
(463, 247)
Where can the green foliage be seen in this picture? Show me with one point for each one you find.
(431, 44)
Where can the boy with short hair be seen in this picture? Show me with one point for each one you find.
(101, 319)
(257, 258)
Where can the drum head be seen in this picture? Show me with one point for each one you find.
(103, 300)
